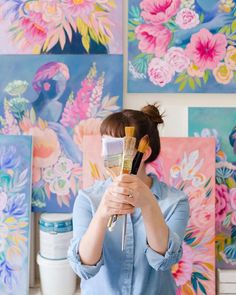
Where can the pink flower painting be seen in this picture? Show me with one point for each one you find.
(198, 41)
(206, 49)
(61, 27)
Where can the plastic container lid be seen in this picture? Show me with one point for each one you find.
(55, 222)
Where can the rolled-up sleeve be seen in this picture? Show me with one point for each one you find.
(177, 226)
(82, 216)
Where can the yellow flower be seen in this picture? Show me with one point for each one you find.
(223, 74)
(230, 58)
(194, 71)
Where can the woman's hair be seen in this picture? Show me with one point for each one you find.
(145, 122)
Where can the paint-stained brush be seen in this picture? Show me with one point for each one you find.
(128, 154)
(112, 152)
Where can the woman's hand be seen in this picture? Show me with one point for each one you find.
(133, 191)
(115, 202)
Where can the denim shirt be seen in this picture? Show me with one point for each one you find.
(138, 270)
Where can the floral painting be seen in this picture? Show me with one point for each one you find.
(224, 132)
(61, 26)
(188, 164)
(15, 208)
(182, 46)
(58, 100)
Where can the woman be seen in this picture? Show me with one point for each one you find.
(157, 219)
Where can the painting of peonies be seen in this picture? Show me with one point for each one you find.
(58, 99)
(15, 209)
(187, 164)
(182, 46)
(224, 132)
(61, 26)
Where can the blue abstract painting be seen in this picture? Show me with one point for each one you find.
(15, 209)
(220, 123)
(57, 100)
(182, 46)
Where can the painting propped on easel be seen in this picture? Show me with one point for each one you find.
(15, 210)
(58, 100)
(182, 46)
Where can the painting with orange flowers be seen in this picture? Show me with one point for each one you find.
(61, 27)
(188, 164)
(58, 100)
(182, 46)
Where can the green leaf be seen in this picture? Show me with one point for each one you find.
(228, 31)
(182, 85)
(194, 283)
(201, 18)
(207, 183)
(198, 81)
(206, 77)
(232, 37)
(233, 26)
(131, 36)
(199, 276)
(202, 288)
(191, 83)
(224, 29)
(180, 78)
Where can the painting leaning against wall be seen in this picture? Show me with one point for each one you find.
(224, 132)
(15, 209)
(188, 165)
(58, 100)
(60, 27)
(182, 46)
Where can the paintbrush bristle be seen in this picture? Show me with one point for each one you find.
(143, 144)
(129, 131)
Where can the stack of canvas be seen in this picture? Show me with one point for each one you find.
(226, 281)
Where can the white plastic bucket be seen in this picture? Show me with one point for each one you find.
(55, 235)
(56, 276)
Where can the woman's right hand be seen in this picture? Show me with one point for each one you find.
(113, 203)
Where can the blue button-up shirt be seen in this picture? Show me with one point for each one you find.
(138, 270)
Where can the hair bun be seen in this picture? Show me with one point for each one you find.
(152, 112)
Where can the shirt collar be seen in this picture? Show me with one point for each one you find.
(155, 188)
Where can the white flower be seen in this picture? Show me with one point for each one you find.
(16, 87)
(60, 186)
(187, 3)
(63, 167)
(49, 174)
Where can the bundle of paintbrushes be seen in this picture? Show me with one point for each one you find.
(112, 151)
(128, 154)
(142, 147)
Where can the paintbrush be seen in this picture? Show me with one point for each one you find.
(142, 147)
(112, 152)
(128, 154)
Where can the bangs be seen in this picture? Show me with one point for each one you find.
(114, 125)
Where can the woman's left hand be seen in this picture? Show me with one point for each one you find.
(132, 190)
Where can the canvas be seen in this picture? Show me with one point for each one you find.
(189, 165)
(15, 209)
(58, 100)
(221, 124)
(55, 26)
(182, 46)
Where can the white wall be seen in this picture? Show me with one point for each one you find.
(175, 105)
